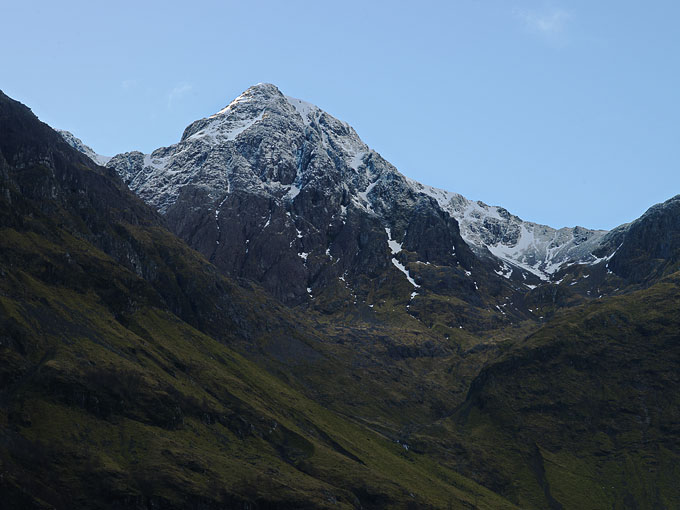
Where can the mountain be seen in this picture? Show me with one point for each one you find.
(120, 382)
(275, 190)
(319, 331)
(304, 162)
(297, 174)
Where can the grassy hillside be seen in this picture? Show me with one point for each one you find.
(98, 413)
(585, 412)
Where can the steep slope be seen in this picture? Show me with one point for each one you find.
(649, 247)
(585, 412)
(538, 249)
(298, 159)
(78, 145)
(276, 190)
(111, 393)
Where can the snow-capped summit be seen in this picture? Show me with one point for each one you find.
(273, 185)
(272, 170)
(236, 117)
(262, 141)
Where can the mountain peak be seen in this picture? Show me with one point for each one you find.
(239, 115)
(268, 88)
(284, 149)
(269, 96)
(259, 93)
(78, 144)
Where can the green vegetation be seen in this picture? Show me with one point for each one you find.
(583, 413)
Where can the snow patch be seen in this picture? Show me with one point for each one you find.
(217, 216)
(365, 203)
(356, 159)
(155, 163)
(304, 108)
(403, 269)
(220, 131)
(605, 258)
(395, 247)
(293, 191)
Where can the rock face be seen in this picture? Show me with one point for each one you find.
(274, 189)
(537, 249)
(647, 248)
(78, 145)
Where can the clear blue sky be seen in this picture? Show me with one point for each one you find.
(564, 112)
